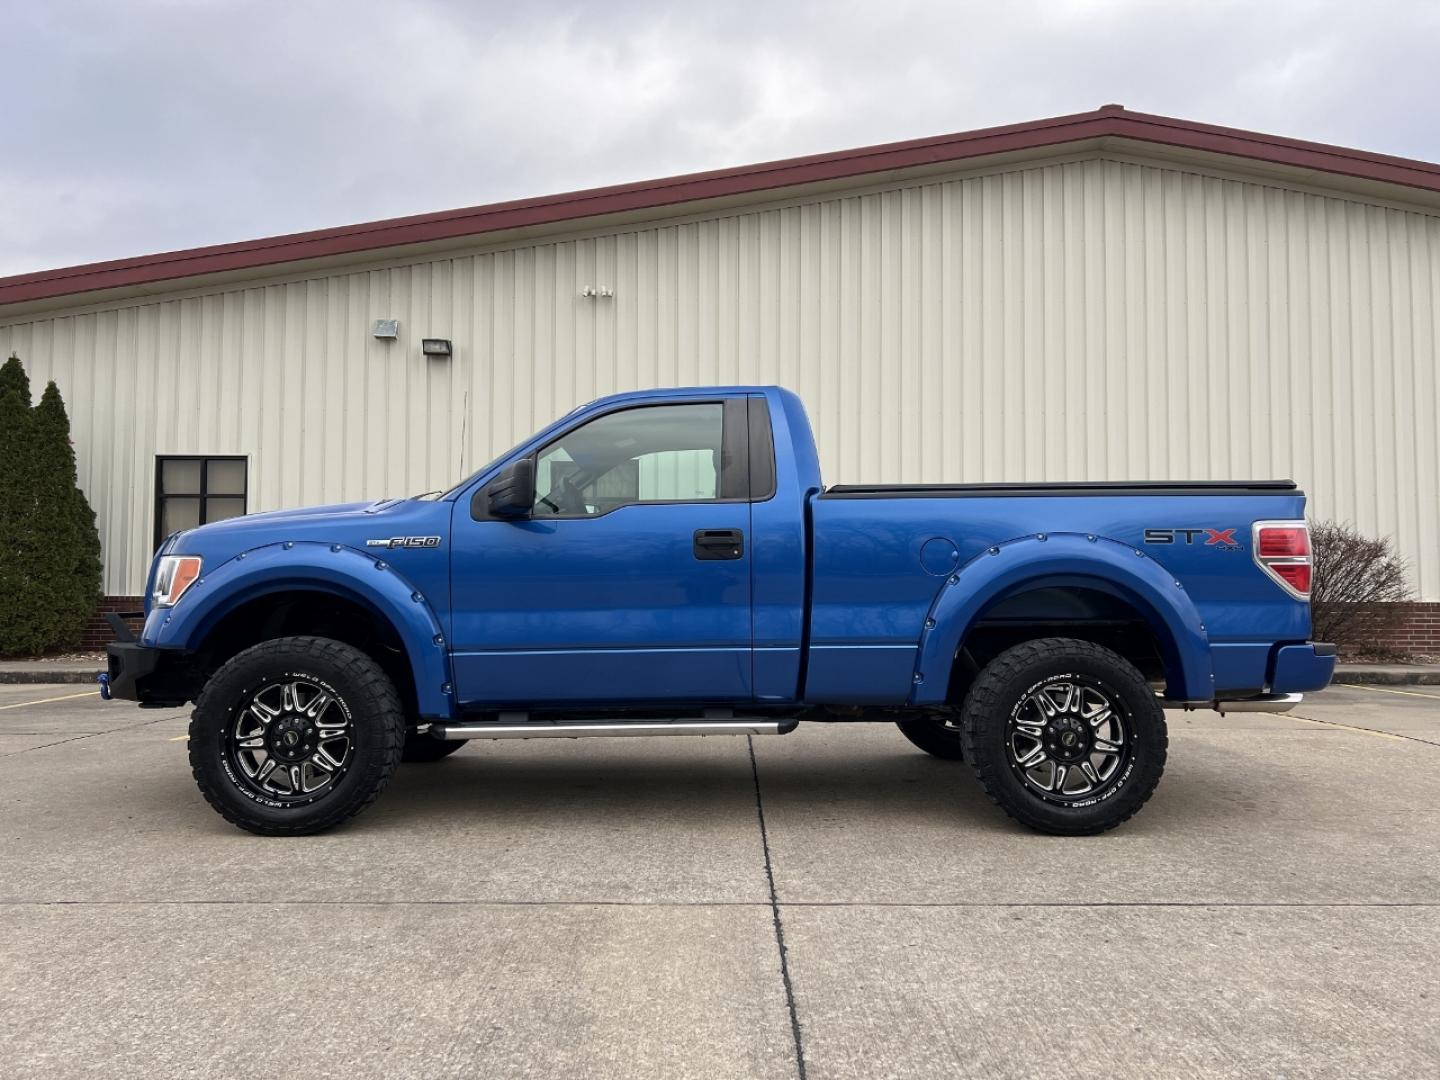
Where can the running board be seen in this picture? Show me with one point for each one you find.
(1271, 703)
(1264, 703)
(560, 729)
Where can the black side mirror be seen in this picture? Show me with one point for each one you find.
(512, 493)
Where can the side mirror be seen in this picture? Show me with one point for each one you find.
(512, 493)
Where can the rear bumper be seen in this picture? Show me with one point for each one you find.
(1300, 669)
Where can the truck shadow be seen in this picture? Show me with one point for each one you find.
(641, 784)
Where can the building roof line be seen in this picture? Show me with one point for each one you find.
(1109, 121)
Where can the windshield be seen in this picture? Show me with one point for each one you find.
(456, 489)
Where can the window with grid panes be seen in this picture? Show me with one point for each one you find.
(191, 491)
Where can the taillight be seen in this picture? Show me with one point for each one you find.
(1283, 541)
(1282, 550)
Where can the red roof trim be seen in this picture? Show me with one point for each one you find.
(1107, 121)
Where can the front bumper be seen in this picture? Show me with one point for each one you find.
(129, 664)
(155, 678)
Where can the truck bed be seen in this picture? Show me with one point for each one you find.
(885, 558)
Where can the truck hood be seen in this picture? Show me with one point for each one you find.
(352, 524)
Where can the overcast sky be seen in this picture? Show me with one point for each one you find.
(147, 125)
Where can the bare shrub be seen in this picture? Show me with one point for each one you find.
(1358, 588)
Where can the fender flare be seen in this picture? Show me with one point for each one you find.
(1076, 559)
(333, 568)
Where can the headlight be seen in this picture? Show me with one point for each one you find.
(175, 574)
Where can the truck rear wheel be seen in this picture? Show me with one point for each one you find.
(295, 735)
(1066, 736)
(935, 735)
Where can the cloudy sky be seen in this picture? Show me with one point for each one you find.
(151, 125)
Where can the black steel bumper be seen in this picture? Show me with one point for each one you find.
(156, 678)
(129, 664)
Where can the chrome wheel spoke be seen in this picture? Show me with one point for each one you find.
(1057, 782)
(1105, 746)
(318, 704)
(262, 713)
(323, 757)
(1090, 774)
(1035, 757)
(1074, 698)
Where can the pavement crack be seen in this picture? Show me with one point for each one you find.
(999, 905)
(1367, 730)
(775, 916)
(88, 735)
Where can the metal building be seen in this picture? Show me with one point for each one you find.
(1107, 295)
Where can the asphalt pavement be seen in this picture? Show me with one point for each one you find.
(831, 903)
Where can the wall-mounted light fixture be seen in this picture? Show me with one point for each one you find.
(387, 329)
(435, 346)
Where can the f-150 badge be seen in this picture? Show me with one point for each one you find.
(406, 542)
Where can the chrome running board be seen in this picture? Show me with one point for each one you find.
(1271, 703)
(1263, 703)
(584, 729)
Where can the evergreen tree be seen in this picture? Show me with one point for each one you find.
(14, 380)
(19, 591)
(49, 550)
(68, 524)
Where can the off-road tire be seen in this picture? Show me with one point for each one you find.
(935, 736)
(1000, 692)
(423, 747)
(365, 693)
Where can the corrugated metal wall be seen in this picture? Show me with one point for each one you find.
(1092, 319)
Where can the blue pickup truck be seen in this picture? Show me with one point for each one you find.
(669, 563)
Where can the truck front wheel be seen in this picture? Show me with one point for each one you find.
(295, 735)
(1066, 736)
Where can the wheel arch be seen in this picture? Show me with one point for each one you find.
(280, 590)
(1066, 564)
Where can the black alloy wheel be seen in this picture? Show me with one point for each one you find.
(1065, 735)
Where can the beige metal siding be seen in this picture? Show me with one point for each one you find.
(1090, 319)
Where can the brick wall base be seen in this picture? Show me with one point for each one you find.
(97, 632)
(1417, 635)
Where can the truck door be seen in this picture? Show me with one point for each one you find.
(629, 582)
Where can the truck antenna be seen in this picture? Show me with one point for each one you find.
(464, 418)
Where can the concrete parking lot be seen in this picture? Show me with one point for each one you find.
(832, 903)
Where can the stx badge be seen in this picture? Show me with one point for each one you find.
(1224, 538)
(406, 542)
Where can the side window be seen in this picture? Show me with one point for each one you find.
(658, 453)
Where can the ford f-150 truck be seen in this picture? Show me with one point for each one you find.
(669, 563)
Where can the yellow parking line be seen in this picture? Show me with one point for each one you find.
(1387, 690)
(180, 738)
(42, 701)
(1347, 727)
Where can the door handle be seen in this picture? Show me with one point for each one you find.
(719, 544)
